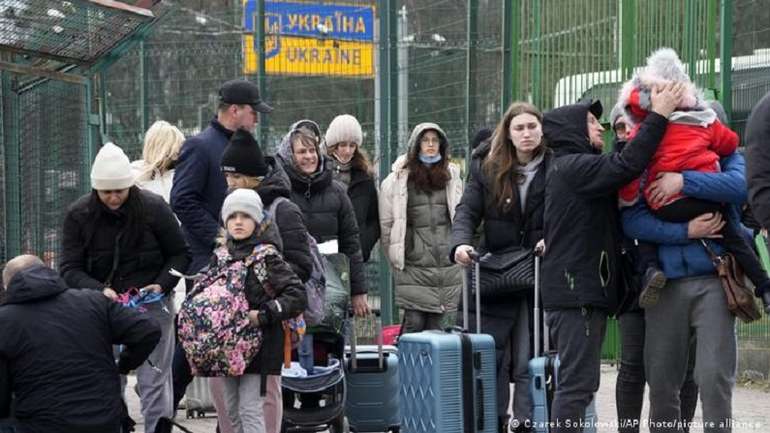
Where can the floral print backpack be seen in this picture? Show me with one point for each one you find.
(214, 326)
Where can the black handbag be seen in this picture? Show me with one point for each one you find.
(505, 273)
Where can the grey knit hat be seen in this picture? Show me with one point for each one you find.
(243, 200)
(616, 113)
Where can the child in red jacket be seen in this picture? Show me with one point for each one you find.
(695, 140)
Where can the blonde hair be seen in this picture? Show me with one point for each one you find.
(162, 143)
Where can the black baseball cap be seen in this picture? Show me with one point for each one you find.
(242, 92)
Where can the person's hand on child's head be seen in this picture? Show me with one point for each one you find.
(664, 187)
(707, 225)
(666, 98)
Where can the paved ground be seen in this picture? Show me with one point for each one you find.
(751, 409)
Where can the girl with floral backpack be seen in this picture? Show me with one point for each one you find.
(247, 289)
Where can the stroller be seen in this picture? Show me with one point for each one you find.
(314, 396)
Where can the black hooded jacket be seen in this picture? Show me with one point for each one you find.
(758, 161)
(288, 218)
(329, 215)
(57, 351)
(581, 218)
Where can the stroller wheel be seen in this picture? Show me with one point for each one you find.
(340, 425)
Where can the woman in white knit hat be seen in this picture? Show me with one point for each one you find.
(351, 166)
(118, 238)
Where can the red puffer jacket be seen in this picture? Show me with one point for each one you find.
(685, 146)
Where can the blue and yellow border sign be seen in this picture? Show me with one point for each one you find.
(311, 39)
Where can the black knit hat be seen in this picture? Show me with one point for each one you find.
(243, 155)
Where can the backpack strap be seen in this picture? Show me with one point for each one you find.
(274, 206)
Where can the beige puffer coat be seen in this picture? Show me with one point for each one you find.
(394, 195)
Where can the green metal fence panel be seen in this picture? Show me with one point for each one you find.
(50, 163)
(750, 58)
(572, 49)
(611, 344)
(42, 130)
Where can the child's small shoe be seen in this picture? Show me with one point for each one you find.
(653, 281)
(763, 292)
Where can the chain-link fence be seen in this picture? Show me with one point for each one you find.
(50, 164)
(49, 50)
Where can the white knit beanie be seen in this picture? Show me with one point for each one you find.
(111, 169)
(344, 128)
(243, 200)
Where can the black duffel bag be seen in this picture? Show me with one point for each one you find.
(510, 272)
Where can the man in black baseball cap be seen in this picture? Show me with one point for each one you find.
(199, 186)
(242, 92)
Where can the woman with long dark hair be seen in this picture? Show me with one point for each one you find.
(120, 238)
(506, 192)
(417, 206)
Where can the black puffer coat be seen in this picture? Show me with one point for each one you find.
(329, 215)
(288, 218)
(363, 196)
(581, 219)
(502, 229)
(88, 247)
(57, 346)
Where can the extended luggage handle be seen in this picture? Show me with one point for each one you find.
(474, 255)
(353, 340)
(536, 319)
